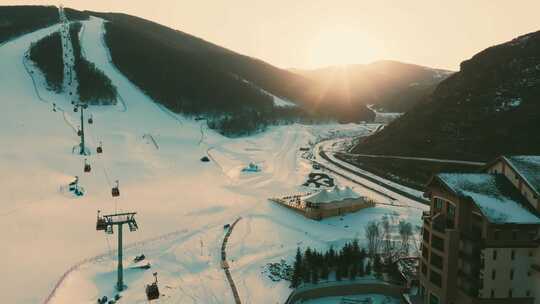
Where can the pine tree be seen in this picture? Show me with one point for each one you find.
(361, 270)
(314, 276)
(297, 269)
(354, 271)
(325, 272)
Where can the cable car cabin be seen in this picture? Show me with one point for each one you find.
(101, 224)
(87, 167)
(152, 290)
(79, 132)
(115, 190)
(90, 120)
(75, 109)
(99, 150)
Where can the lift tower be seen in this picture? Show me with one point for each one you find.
(106, 223)
(81, 107)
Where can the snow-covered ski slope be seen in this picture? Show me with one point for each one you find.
(182, 203)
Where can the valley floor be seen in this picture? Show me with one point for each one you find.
(181, 202)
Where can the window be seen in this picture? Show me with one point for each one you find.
(497, 234)
(494, 254)
(492, 294)
(436, 260)
(438, 203)
(510, 292)
(433, 299)
(514, 235)
(513, 255)
(437, 243)
(511, 274)
(451, 210)
(493, 274)
(531, 253)
(528, 293)
(435, 278)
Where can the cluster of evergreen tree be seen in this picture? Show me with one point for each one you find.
(94, 86)
(47, 55)
(347, 263)
(17, 20)
(75, 15)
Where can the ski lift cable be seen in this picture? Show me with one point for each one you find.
(102, 162)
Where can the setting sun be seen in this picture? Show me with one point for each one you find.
(342, 45)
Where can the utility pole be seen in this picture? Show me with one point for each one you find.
(106, 223)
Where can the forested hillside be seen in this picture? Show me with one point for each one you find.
(17, 20)
(94, 86)
(190, 75)
(489, 107)
(47, 55)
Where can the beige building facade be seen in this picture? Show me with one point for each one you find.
(480, 237)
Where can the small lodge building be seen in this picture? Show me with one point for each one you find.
(480, 239)
(325, 203)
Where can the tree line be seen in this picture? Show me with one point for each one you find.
(18, 20)
(47, 55)
(94, 86)
(351, 261)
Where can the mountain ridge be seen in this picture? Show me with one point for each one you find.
(489, 107)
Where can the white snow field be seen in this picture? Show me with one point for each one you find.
(49, 236)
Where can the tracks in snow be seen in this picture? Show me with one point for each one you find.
(225, 264)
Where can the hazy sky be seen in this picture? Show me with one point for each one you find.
(315, 33)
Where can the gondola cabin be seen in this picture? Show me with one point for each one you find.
(115, 190)
(152, 290)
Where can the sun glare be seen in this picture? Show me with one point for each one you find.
(341, 46)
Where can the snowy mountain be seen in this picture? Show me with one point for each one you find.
(490, 107)
(52, 253)
(390, 86)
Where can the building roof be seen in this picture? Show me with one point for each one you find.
(499, 201)
(528, 166)
(332, 195)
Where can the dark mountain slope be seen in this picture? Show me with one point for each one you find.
(390, 85)
(490, 107)
(17, 20)
(189, 74)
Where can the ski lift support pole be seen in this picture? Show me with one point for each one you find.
(118, 220)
